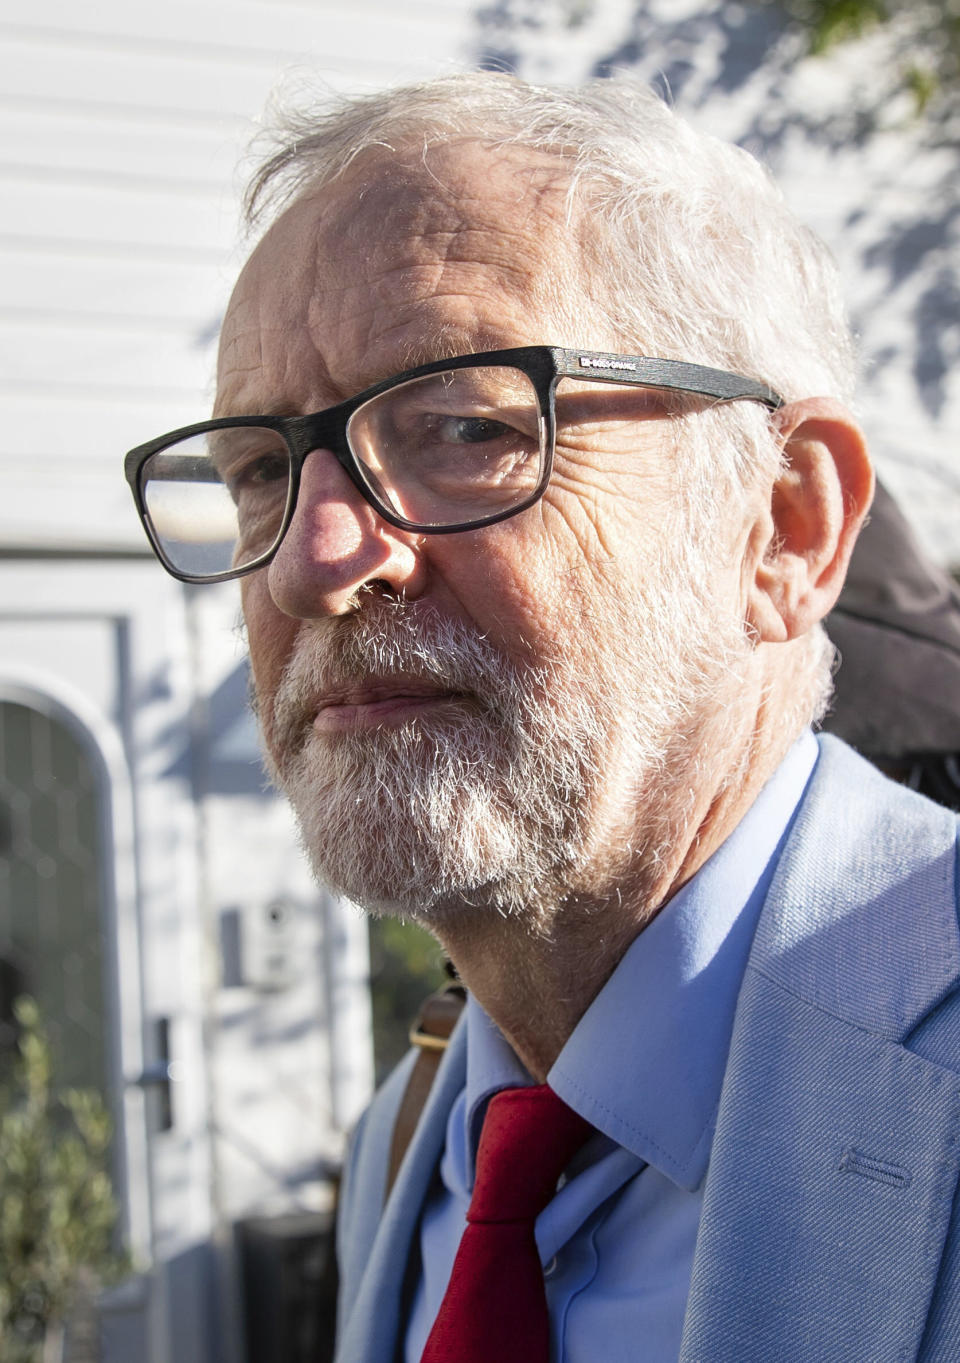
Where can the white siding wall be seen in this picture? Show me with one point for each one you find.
(120, 129)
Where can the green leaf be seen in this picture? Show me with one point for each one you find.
(57, 1208)
(837, 21)
(923, 84)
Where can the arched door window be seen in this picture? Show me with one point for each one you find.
(52, 879)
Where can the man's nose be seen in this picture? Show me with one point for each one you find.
(336, 544)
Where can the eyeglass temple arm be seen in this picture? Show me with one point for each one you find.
(606, 367)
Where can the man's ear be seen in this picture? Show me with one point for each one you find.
(800, 546)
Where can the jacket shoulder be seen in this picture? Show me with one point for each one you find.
(862, 915)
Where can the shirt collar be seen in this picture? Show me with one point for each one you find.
(645, 1063)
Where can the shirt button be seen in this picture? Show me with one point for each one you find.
(550, 1268)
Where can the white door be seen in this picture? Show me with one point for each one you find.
(101, 918)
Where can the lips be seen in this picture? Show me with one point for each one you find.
(371, 692)
(373, 704)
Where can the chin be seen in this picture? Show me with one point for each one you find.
(433, 821)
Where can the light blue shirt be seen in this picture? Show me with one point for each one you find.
(645, 1066)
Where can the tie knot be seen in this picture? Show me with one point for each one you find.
(529, 1137)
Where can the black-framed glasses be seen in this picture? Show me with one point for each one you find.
(449, 446)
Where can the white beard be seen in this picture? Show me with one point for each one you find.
(546, 780)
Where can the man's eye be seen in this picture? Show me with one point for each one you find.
(470, 430)
(267, 469)
(258, 471)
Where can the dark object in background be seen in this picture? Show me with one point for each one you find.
(897, 626)
(12, 987)
(289, 1274)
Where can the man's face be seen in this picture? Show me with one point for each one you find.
(506, 716)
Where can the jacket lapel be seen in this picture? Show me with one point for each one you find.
(369, 1334)
(834, 1163)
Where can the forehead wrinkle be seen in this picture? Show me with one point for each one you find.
(241, 347)
(486, 260)
(449, 304)
(264, 337)
(524, 177)
(408, 205)
(379, 273)
(407, 317)
(466, 179)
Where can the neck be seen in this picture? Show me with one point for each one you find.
(537, 982)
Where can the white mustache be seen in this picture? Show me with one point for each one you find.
(387, 642)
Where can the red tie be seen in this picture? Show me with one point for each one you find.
(495, 1306)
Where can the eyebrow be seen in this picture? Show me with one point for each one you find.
(278, 409)
(448, 342)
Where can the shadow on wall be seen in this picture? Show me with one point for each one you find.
(752, 56)
(226, 760)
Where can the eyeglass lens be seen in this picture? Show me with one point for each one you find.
(439, 450)
(216, 500)
(451, 447)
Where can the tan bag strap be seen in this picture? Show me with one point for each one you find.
(431, 1033)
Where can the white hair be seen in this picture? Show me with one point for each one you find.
(684, 244)
(686, 241)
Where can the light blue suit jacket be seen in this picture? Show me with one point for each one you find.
(829, 1232)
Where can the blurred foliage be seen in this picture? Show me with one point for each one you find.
(832, 76)
(57, 1208)
(834, 21)
(923, 55)
(535, 14)
(925, 50)
(406, 965)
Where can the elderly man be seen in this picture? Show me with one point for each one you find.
(534, 628)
